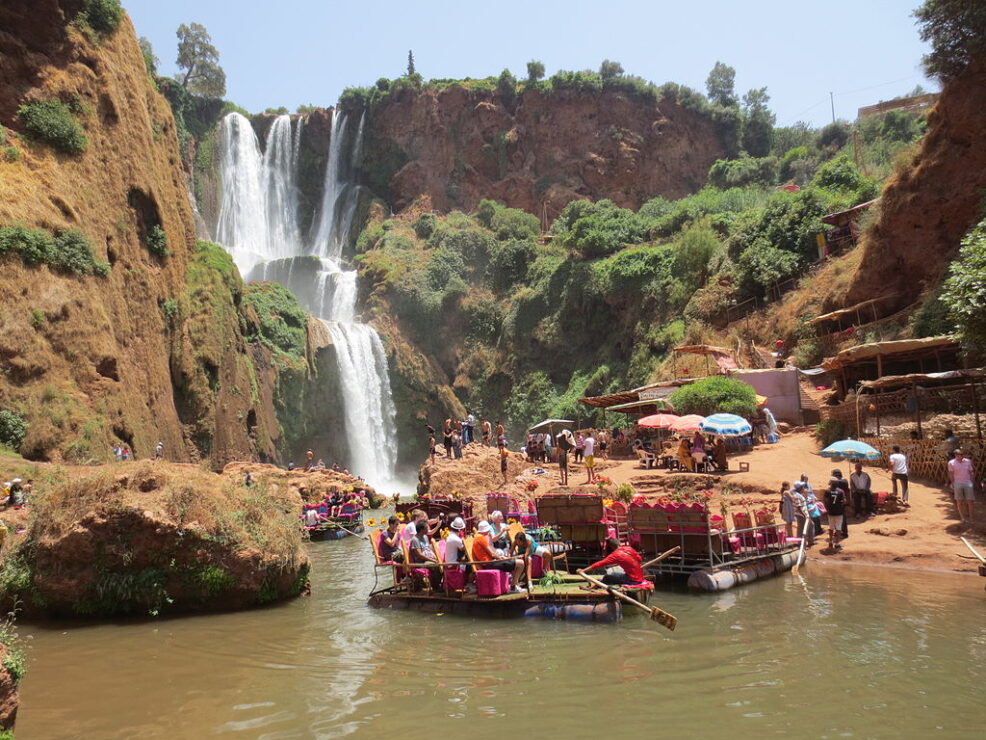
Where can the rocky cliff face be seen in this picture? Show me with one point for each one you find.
(927, 208)
(93, 361)
(459, 146)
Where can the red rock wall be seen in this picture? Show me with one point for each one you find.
(460, 146)
(927, 208)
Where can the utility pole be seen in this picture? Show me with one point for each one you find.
(832, 100)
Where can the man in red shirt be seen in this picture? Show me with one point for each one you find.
(626, 558)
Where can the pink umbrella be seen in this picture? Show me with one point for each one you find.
(658, 421)
(687, 423)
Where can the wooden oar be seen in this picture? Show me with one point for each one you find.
(661, 557)
(801, 550)
(354, 534)
(656, 614)
(973, 550)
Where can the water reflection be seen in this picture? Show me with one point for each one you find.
(886, 649)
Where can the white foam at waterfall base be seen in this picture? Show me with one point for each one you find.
(369, 407)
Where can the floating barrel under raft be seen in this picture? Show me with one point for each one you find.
(726, 578)
(610, 611)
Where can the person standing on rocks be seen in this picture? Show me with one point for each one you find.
(159, 450)
(447, 439)
(501, 437)
(898, 472)
(504, 454)
(457, 444)
(487, 432)
(468, 429)
(960, 473)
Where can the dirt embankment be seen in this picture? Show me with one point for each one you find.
(9, 695)
(458, 146)
(152, 537)
(927, 208)
(91, 361)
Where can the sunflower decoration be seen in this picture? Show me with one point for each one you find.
(511, 520)
(444, 533)
(371, 522)
(608, 503)
(400, 516)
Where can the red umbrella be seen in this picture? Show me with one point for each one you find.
(658, 421)
(687, 423)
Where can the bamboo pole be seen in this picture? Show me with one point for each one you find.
(975, 408)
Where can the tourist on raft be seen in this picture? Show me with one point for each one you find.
(624, 557)
(417, 515)
(499, 537)
(422, 552)
(482, 551)
(389, 544)
(455, 546)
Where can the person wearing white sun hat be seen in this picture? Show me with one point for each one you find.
(455, 547)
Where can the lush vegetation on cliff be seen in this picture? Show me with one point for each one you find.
(525, 324)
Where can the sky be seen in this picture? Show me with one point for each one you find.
(294, 52)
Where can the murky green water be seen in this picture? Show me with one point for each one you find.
(845, 652)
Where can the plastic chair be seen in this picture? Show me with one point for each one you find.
(397, 569)
(416, 572)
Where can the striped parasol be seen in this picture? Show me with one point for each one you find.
(726, 425)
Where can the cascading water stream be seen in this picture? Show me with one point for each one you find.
(258, 224)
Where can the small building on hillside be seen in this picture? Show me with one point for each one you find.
(844, 232)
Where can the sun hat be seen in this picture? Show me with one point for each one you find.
(484, 527)
(457, 523)
(16, 480)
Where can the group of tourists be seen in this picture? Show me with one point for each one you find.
(699, 451)
(416, 543)
(459, 433)
(332, 506)
(802, 510)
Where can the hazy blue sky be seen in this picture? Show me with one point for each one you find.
(290, 52)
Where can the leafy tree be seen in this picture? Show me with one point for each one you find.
(834, 136)
(200, 60)
(720, 85)
(759, 125)
(102, 15)
(732, 173)
(13, 429)
(965, 290)
(410, 64)
(535, 70)
(506, 86)
(956, 30)
(150, 59)
(715, 395)
(693, 253)
(609, 69)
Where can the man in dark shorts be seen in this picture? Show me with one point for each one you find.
(565, 445)
(503, 462)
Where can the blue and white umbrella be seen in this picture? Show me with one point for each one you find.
(726, 425)
(852, 449)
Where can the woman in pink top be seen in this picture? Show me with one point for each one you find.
(960, 472)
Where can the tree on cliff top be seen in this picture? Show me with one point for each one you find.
(200, 60)
(720, 85)
(410, 63)
(535, 70)
(609, 69)
(956, 30)
(758, 128)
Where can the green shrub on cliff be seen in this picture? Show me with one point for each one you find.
(598, 229)
(51, 121)
(507, 223)
(281, 322)
(13, 429)
(965, 290)
(66, 251)
(102, 16)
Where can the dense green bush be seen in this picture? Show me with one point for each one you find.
(67, 251)
(535, 70)
(721, 204)
(965, 290)
(157, 242)
(281, 322)
(507, 223)
(506, 87)
(598, 229)
(508, 264)
(715, 395)
(424, 227)
(101, 15)
(13, 429)
(51, 121)
(733, 173)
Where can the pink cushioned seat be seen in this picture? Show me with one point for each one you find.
(488, 583)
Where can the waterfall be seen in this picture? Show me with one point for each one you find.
(340, 193)
(258, 224)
